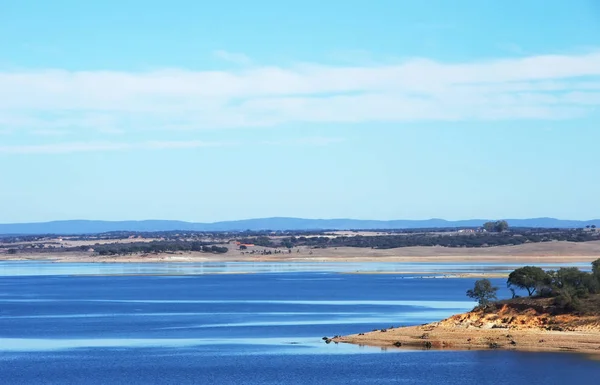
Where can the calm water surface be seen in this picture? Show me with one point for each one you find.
(111, 324)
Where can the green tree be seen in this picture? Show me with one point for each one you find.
(489, 226)
(483, 292)
(568, 276)
(530, 278)
(501, 226)
(579, 283)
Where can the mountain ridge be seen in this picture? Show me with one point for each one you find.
(271, 223)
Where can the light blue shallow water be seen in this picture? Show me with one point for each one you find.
(262, 328)
(15, 268)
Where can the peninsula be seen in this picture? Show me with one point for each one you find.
(564, 317)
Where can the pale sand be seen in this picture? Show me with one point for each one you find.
(550, 252)
(450, 338)
(504, 328)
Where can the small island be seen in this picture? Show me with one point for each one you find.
(560, 314)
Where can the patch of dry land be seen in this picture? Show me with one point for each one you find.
(546, 252)
(519, 324)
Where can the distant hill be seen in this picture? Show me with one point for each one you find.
(92, 227)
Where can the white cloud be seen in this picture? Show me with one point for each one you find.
(74, 147)
(536, 87)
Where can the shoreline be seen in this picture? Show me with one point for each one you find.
(504, 329)
(340, 258)
(445, 338)
(531, 253)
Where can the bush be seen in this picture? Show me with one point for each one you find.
(580, 284)
(567, 300)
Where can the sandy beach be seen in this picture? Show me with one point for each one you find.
(506, 329)
(450, 338)
(548, 252)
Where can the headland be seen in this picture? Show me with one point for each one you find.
(523, 324)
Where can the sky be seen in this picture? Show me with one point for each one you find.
(381, 109)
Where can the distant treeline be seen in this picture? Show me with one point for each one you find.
(514, 237)
(156, 242)
(156, 247)
(130, 248)
(183, 235)
(221, 235)
(160, 235)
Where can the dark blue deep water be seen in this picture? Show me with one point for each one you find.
(263, 328)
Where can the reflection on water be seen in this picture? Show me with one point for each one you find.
(34, 268)
(41, 345)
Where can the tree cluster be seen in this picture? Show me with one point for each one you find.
(566, 285)
(156, 247)
(497, 226)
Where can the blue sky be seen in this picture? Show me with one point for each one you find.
(208, 111)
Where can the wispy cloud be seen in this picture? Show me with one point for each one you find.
(534, 87)
(75, 147)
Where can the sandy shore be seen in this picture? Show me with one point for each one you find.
(550, 252)
(198, 257)
(449, 338)
(505, 329)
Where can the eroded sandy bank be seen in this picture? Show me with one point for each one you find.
(525, 330)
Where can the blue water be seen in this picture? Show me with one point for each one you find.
(262, 328)
(190, 268)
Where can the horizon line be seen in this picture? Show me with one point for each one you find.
(294, 218)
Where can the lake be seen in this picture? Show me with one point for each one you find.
(250, 323)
